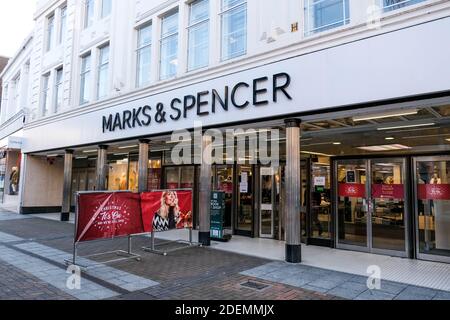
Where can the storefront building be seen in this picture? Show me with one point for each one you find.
(359, 101)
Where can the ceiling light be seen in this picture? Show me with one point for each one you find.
(389, 138)
(317, 153)
(407, 126)
(178, 141)
(81, 157)
(427, 136)
(387, 147)
(89, 151)
(129, 147)
(337, 143)
(384, 115)
(121, 154)
(52, 155)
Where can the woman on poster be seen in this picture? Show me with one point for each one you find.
(169, 215)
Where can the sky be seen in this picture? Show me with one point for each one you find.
(16, 23)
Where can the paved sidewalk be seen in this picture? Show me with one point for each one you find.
(340, 284)
(34, 250)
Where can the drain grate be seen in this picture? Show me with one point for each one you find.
(255, 285)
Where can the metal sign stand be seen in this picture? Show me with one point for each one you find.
(125, 255)
(154, 247)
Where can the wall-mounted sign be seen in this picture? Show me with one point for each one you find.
(319, 181)
(351, 176)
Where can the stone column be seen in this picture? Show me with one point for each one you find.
(205, 192)
(143, 165)
(102, 167)
(292, 191)
(67, 186)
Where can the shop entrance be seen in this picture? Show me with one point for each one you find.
(371, 206)
(270, 189)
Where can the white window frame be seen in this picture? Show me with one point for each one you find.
(167, 36)
(45, 94)
(206, 21)
(58, 88)
(101, 67)
(140, 48)
(224, 12)
(85, 74)
(51, 19)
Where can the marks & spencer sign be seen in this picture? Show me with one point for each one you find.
(259, 92)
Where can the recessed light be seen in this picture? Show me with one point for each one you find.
(387, 147)
(337, 143)
(384, 115)
(389, 138)
(89, 151)
(129, 147)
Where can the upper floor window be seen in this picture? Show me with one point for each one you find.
(58, 89)
(389, 5)
(45, 94)
(88, 13)
(16, 96)
(169, 46)
(102, 76)
(50, 31)
(198, 30)
(85, 78)
(234, 28)
(106, 8)
(321, 15)
(143, 55)
(63, 24)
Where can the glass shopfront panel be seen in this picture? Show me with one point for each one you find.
(123, 172)
(320, 206)
(224, 182)
(245, 200)
(432, 180)
(154, 174)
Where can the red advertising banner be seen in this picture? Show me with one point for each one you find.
(433, 191)
(166, 210)
(352, 190)
(108, 215)
(390, 191)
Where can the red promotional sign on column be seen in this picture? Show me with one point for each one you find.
(433, 191)
(108, 215)
(352, 190)
(166, 210)
(390, 191)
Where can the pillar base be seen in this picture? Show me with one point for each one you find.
(204, 238)
(65, 216)
(293, 253)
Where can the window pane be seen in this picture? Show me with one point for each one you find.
(198, 54)
(323, 15)
(144, 36)
(85, 79)
(45, 95)
(51, 26)
(143, 66)
(226, 4)
(397, 4)
(169, 24)
(169, 52)
(102, 89)
(58, 89)
(89, 13)
(234, 33)
(62, 30)
(106, 8)
(199, 10)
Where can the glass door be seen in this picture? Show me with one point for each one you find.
(224, 182)
(244, 221)
(351, 205)
(268, 192)
(432, 207)
(388, 211)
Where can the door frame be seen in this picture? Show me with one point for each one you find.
(369, 206)
(273, 201)
(423, 256)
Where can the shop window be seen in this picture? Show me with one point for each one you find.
(154, 174)
(322, 15)
(234, 28)
(198, 32)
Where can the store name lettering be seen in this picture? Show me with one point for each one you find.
(203, 103)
